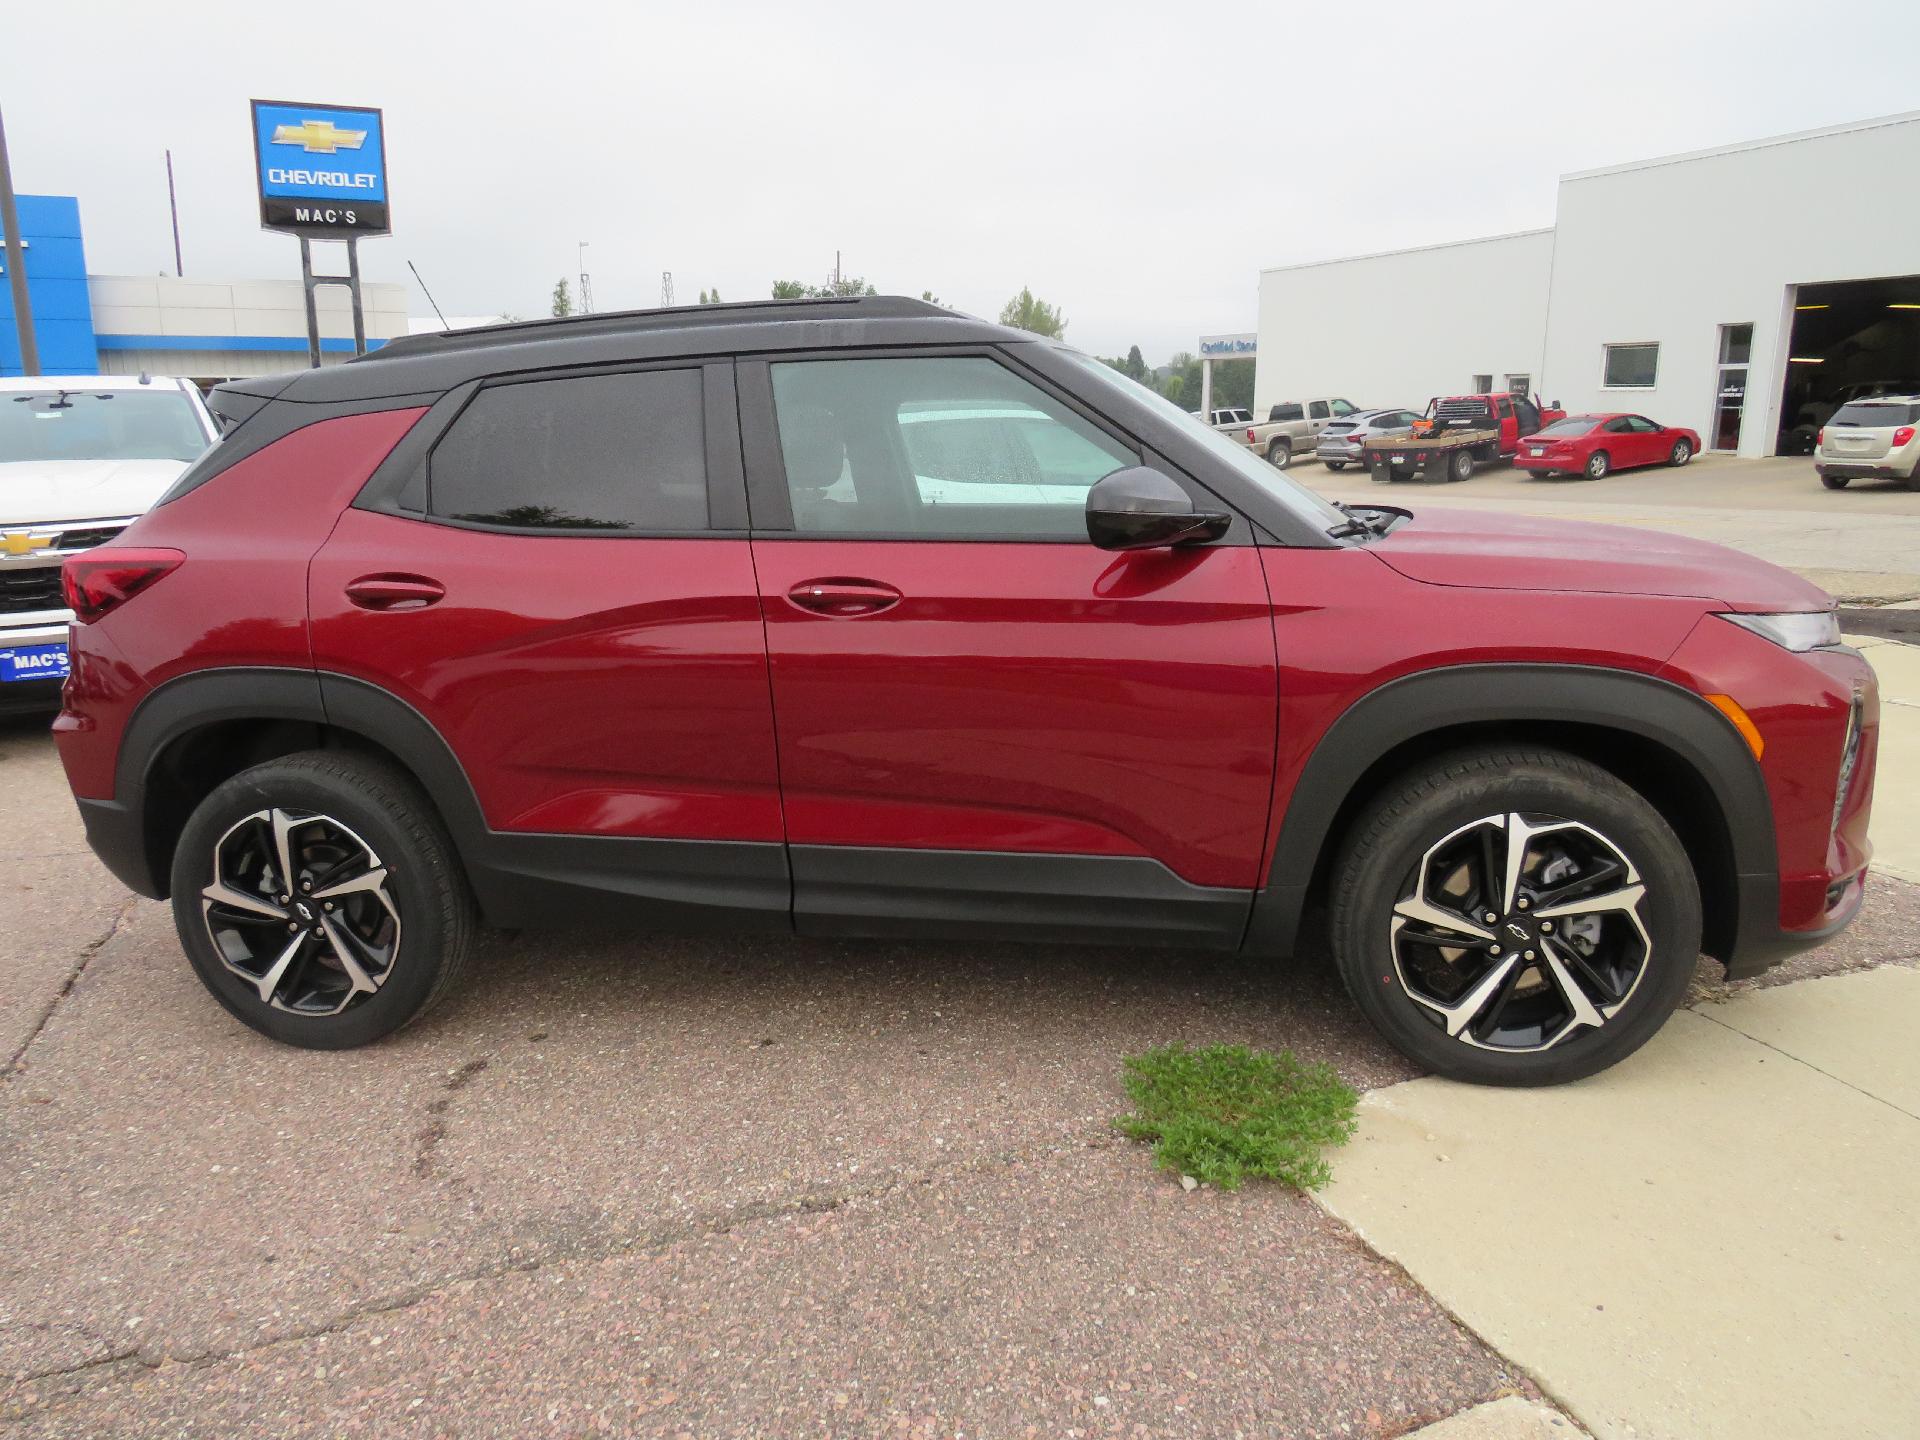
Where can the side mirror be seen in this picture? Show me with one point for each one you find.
(1141, 509)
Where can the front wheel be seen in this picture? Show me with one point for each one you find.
(321, 900)
(1680, 454)
(1598, 464)
(1838, 482)
(1280, 454)
(1515, 916)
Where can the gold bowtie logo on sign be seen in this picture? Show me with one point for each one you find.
(318, 137)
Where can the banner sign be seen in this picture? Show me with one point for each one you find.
(321, 169)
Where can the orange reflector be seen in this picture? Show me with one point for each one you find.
(1730, 707)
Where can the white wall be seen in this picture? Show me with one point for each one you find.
(1400, 328)
(166, 305)
(1671, 249)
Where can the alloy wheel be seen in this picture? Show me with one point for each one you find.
(301, 909)
(1518, 932)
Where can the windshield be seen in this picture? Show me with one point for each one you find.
(99, 425)
(1297, 498)
(1572, 425)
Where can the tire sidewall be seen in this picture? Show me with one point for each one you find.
(410, 881)
(1671, 912)
(1682, 452)
(1280, 454)
(1598, 464)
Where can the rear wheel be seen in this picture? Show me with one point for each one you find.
(1280, 453)
(1335, 464)
(1598, 464)
(1515, 916)
(1460, 465)
(321, 900)
(1680, 454)
(1839, 482)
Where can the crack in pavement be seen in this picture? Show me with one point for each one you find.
(117, 1366)
(427, 1139)
(1802, 1060)
(87, 952)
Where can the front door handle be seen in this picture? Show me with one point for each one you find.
(394, 592)
(842, 598)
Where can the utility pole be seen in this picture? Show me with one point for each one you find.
(586, 281)
(666, 289)
(173, 205)
(16, 263)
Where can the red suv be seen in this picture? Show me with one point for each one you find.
(860, 617)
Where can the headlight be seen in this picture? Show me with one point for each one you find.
(1797, 630)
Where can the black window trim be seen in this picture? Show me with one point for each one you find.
(770, 505)
(394, 481)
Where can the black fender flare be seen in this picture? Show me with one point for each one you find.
(1402, 710)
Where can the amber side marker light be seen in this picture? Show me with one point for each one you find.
(1749, 732)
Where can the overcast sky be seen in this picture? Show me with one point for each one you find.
(1135, 164)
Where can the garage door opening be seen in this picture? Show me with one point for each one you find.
(1850, 339)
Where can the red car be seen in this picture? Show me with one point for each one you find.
(1592, 445)
(863, 618)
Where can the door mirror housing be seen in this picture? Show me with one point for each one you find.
(1141, 509)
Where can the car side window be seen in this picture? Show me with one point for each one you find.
(1620, 426)
(1343, 407)
(1640, 425)
(589, 452)
(1316, 409)
(941, 446)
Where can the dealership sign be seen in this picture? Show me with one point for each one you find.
(322, 169)
(1229, 347)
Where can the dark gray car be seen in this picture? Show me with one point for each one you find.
(1341, 440)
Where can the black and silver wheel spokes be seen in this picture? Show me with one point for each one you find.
(301, 909)
(1517, 932)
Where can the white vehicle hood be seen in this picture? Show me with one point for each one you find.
(41, 492)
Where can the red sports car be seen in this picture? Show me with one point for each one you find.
(1591, 445)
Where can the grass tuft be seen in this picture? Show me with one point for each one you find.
(1224, 1113)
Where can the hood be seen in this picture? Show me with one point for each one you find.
(44, 492)
(1486, 549)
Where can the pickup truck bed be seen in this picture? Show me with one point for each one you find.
(1450, 455)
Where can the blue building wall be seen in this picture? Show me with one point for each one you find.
(56, 264)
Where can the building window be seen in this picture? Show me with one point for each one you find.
(1483, 385)
(1521, 385)
(1631, 367)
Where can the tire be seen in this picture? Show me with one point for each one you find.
(405, 936)
(1839, 482)
(1913, 480)
(1598, 464)
(1403, 848)
(1460, 465)
(1280, 453)
(1335, 465)
(1681, 453)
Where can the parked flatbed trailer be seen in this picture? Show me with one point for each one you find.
(1434, 458)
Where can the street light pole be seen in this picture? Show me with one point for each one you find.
(16, 264)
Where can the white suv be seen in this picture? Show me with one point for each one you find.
(1877, 438)
(81, 457)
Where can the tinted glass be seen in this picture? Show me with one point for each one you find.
(1640, 425)
(1281, 413)
(1572, 425)
(599, 452)
(1618, 426)
(99, 425)
(1316, 410)
(1877, 413)
(1343, 407)
(1631, 366)
(1736, 344)
(950, 446)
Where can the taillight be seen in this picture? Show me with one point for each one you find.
(1820, 436)
(1250, 435)
(100, 581)
(1902, 436)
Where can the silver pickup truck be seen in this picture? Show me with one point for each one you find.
(1293, 426)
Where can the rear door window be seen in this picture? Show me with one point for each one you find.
(585, 453)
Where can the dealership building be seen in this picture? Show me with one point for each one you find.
(204, 328)
(1742, 291)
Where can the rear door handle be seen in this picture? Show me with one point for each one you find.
(842, 598)
(394, 592)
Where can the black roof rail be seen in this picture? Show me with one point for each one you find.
(678, 317)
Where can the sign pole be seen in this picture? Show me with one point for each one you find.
(353, 286)
(17, 265)
(308, 283)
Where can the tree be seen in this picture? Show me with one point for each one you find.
(1026, 311)
(710, 299)
(930, 297)
(562, 298)
(844, 288)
